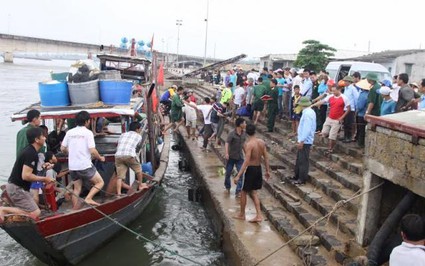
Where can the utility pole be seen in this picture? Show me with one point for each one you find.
(206, 35)
(179, 22)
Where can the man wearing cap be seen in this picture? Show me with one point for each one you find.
(361, 108)
(306, 130)
(405, 94)
(352, 94)
(307, 86)
(374, 99)
(388, 105)
(192, 96)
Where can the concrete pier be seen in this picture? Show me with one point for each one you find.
(245, 243)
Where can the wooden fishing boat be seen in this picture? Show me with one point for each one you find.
(66, 236)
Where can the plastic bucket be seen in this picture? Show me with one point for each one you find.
(59, 76)
(53, 93)
(147, 168)
(115, 91)
(84, 93)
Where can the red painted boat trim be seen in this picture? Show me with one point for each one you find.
(396, 125)
(63, 222)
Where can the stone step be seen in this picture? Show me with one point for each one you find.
(320, 170)
(284, 127)
(334, 238)
(320, 200)
(346, 161)
(340, 175)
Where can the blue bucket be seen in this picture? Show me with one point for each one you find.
(53, 94)
(147, 168)
(115, 91)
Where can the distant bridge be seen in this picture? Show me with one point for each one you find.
(11, 45)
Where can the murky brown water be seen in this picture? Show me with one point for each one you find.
(170, 219)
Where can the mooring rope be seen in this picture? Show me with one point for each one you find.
(138, 235)
(337, 205)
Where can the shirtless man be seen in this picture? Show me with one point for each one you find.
(255, 152)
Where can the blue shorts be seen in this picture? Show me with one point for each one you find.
(36, 185)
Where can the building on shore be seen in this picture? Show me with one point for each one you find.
(275, 61)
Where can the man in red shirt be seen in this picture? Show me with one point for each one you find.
(337, 102)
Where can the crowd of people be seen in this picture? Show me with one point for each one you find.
(315, 104)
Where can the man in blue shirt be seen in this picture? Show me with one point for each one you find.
(281, 81)
(306, 130)
(421, 100)
(362, 103)
(307, 87)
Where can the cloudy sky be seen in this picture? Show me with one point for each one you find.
(253, 27)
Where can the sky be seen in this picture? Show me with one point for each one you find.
(256, 28)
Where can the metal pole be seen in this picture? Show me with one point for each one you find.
(206, 35)
(179, 22)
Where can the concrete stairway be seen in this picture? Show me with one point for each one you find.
(333, 178)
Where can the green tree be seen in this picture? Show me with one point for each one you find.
(314, 55)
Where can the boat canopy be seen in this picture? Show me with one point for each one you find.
(98, 109)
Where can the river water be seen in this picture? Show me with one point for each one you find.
(170, 219)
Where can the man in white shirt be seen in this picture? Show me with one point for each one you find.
(206, 110)
(191, 118)
(238, 99)
(412, 251)
(80, 146)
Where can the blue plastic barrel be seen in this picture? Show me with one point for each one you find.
(115, 91)
(147, 168)
(53, 94)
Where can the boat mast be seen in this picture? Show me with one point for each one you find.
(149, 113)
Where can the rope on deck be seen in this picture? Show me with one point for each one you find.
(138, 235)
(337, 205)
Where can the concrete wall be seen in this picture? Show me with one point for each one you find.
(418, 68)
(391, 66)
(392, 156)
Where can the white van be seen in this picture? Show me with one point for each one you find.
(339, 69)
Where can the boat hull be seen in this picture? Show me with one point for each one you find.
(70, 246)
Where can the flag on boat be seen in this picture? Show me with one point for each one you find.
(160, 77)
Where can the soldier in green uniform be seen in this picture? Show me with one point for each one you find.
(257, 102)
(176, 111)
(272, 106)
